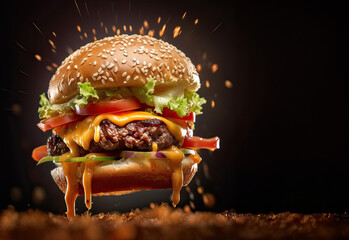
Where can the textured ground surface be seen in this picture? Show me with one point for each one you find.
(163, 222)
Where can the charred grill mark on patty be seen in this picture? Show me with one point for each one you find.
(137, 135)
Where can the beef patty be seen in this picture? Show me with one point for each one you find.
(137, 135)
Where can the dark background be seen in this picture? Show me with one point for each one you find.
(283, 125)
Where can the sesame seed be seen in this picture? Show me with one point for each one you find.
(144, 63)
(136, 77)
(103, 81)
(103, 66)
(116, 69)
(128, 78)
(134, 59)
(111, 53)
(115, 60)
(89, 55)
(111, 66)
(138, 62)
(124, 61)
(106, 64)
(104, 77)
(68, 67)
(94, 63)
(95, 74)
(137, 70)
(124, 74)
(154, 68)
(149, 65)
(106, 73)
(110, 79)
(157, 58)
(86, 79)
(125, 54)
(99, 78)
(100, 70)
(78, 75)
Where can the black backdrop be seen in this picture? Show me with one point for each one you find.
(283, 125)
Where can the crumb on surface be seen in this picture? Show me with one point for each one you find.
(164, 222)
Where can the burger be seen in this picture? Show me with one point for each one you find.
(122, 113)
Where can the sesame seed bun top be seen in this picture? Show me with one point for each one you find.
(123, 61)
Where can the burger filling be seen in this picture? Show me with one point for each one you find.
(136, 135)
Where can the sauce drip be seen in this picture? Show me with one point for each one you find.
(175, 157)
(152, 160)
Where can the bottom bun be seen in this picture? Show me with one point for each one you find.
(126, 176)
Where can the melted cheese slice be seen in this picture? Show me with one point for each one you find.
(82, 133)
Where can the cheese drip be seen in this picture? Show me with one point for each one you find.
(175, 157)
(82, 133)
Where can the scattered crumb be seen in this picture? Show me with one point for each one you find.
(164, 222)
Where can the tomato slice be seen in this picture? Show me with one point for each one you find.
(168, 113)
(120, 105)
(199, 143)
(53, 122)
(39, 153)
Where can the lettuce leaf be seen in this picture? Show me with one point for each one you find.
(181, 101)
(86, 91)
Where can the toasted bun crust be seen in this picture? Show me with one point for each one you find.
(128, 176)
(123, 61)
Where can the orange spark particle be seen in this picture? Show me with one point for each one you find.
(207, 84)
(186, 209)
(141, 31)
(53, 50)
(159, 19)
(198, 67)
(54, 34)
(49, 68)
(125, 28)
(94, 31)
(184, 15)
(94, 38)
(118, 31)
(228, 84)
(130, 27)
(54, 65)
(106, 30)
(151, 33)
(162, 31)
(192, 205)
(213, 104)
(79, 28)
(81, 37)
(38, 57)
(52, 43)
(146, 24)
(200, 190)
(187, 188)
(152, 205)
(85, 34)
(176, 31)
(209, 200)
(113, 28)
(214, 68)
(196, 21)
